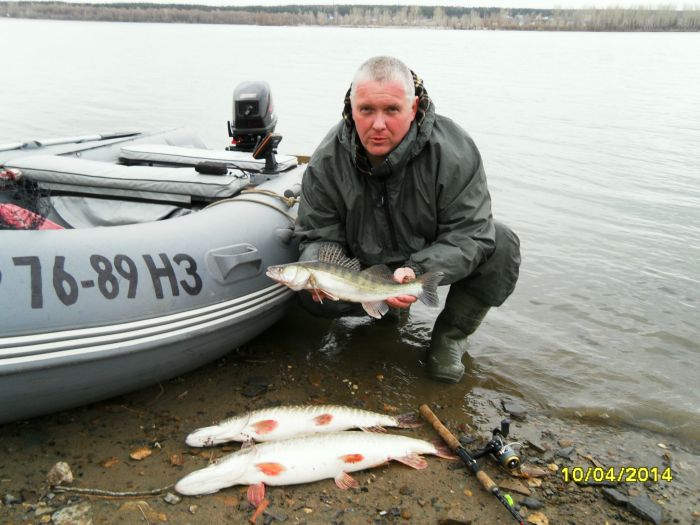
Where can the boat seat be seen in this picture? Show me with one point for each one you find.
(161, 184)
(165, 154)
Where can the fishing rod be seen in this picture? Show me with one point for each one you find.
(469, 461)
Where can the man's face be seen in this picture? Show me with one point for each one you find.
(382, 115)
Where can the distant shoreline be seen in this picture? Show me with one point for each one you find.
(460, 18)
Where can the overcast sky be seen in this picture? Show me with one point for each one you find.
(565, 4)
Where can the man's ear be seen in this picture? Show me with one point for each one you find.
(414, 107)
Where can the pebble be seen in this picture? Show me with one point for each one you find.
(532, 503)
(255, 386)
(465, 440)
(515, 409)
(454, 517)
(645, 508)
(74, 515)
(42, 509)
(537, 518)
(60, 473)
(515, 485)
(615, 497)
(537, 446)
(171, 498)
(10, 499)
(565, 452)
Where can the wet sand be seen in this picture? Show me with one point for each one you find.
(96, 442)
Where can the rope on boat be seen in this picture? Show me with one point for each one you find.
(288, 201)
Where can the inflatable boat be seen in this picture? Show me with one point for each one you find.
(147, 260)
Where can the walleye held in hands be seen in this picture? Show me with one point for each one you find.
(341, 278)
(283, 422)
(306, 459)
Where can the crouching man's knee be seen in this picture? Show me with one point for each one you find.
(494, 280)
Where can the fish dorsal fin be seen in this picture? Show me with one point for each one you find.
(333, 253)
(380, 270)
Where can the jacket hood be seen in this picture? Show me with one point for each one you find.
(409, 147)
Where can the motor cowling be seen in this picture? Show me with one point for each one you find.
(253, 115)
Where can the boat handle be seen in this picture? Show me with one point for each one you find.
(234, 263)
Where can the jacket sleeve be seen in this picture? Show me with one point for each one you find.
(465, 235)
(319, 217)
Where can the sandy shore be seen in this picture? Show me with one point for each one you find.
(98, 442)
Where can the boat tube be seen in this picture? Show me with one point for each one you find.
(158, 268)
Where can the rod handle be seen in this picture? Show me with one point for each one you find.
(444, 432)
(455, 445)
(486, 481)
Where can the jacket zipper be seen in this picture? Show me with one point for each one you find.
(385, 205)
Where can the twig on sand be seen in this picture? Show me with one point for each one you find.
(158, 396)
(109, 493)
(144, 515)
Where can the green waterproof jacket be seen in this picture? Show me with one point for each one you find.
(427, 206)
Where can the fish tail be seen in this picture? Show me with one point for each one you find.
(442, 450)
(408, 420)
(429, 282)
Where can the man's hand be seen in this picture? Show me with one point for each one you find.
(402, 276)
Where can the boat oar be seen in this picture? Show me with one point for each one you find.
(468, 460)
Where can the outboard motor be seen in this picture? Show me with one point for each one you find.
(253, 115)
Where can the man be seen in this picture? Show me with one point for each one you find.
(394, 183)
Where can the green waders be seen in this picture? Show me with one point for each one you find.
(460, 319)
(467, 303)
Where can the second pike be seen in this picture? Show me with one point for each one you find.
(269, 424)
(341, 278)
(306, 459)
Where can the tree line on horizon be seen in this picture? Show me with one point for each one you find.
(470, 18)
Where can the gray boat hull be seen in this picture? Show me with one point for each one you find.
(92, 313)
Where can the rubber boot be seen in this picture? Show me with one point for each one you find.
(448, 343)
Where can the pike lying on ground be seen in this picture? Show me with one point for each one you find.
(283, 422)
(307, 459)
(340, 278)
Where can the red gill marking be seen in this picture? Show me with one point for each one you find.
(271, 469)
(265, 426)
(323, 419)
(352, 458)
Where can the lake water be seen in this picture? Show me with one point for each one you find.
(591, 146)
